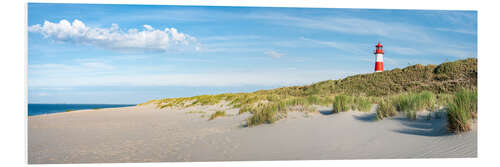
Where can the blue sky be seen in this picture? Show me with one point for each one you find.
(128, 54)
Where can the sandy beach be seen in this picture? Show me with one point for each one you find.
(147, 134)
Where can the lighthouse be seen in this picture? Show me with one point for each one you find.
(379, 58)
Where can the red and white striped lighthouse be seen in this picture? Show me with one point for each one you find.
(379, 58)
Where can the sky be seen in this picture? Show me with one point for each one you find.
(129, 54)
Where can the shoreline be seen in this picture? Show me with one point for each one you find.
(77, 110)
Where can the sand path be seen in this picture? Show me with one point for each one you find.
(145, 134)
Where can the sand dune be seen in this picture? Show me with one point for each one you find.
(146, 134)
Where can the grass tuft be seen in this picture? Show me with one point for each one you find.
(217, 114)
(410, 103)
(462, 110)
(385, 109)
(195, 112)
(362, 104)
(342, 103)
(267, 113)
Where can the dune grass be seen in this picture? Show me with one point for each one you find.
(342, 103)
(443, 99)
(363, 104)
(462, 111)
(217, 114)
(195, 112)
(461, 107)
(267, 113)
(416, 101)
(385, 109)
(411, 103)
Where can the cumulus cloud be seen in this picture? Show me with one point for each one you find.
(274, 54)
(148, 39)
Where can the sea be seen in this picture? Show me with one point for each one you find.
(39, 109)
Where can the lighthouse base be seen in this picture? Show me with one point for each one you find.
(379, 66)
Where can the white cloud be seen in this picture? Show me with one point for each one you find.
(361, 49)
(230, 38)
(148, 27)
(88, 72)
(42, 94)
(357, 26)
(462, 31)
(97, 65)
(269, 77)
(445, 51)
(403, 50)
(149, 39)
(274, 54)
(453, 52)
(345, 46)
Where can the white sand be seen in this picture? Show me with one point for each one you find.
(145, 134)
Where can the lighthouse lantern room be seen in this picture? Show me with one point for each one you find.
(379, 58)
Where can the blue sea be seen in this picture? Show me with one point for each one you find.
(38, 109)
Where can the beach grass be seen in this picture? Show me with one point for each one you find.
(217, 114)
(342, 103)
(267, 113)
(195, 112)
(462, 111)
(416, 101)
(363, 104)
(411, 103)
(385, 109)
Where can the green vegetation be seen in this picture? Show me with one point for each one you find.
(445, 78)
(195, 112)
(363, 104)
(461, 107)
(267, 113)
(386, 108)
(217, 114)
(416, 101)
(444, 99)
(462, 111)
(410, 103)
(409, 90)
(69, 110)
(342, 103)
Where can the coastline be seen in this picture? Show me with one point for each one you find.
(71, 108)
